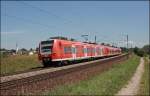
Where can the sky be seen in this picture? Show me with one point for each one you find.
(26, 23)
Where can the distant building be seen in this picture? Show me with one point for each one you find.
(5, 52)
(31, 53)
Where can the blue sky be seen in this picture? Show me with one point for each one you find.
(29, 22)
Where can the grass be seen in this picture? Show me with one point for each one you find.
(106, 83)
(16, 63)
(145, 82)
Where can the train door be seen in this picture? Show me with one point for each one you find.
(96, 54)
(74, 52)
(85, 51)
(102, 51)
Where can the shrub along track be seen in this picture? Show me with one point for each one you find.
(48, 81)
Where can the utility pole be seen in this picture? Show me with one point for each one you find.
(16, 48)
(95, 38)
(127, 41)
(127, 47)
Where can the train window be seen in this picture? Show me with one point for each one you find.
(67, 49)
(85, 50)
(98, 51)
(47, 42)
(46, 48)
(93, 50)
(82, 50)
(88, 50)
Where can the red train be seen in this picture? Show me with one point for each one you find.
(60, 51)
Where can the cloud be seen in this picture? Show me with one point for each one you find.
(11, 33)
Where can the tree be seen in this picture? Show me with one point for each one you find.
(31, 49)
(23, 49)
(72, 39)
(102, 43)
(124, 49)
(138, 51)
(146, 49)
(37, 49)
(13, 50)
(135, 50)
(3, 49)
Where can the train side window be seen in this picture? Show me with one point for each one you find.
(91, 50)
(82, 50)
(85, 50)
(88, 50)
(67, 50)
(98, 51)
(94, 50)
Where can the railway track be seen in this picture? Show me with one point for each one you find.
(49, 79)
(25, 71)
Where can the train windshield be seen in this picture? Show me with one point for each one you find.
(46, 46)
(47, 42)
(46, 49)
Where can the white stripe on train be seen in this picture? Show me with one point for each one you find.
(77, 58)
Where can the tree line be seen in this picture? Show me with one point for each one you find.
(144, 51)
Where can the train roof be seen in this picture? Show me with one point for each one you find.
(85, 43)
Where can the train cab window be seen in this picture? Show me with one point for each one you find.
(46, 49)
(46, 46)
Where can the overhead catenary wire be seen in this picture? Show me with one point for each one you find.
(50, 13)
(47, 12)
(66, 21)
(28, 20)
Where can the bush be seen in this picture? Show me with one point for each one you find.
(140, 53)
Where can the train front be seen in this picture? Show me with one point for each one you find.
(45, 52)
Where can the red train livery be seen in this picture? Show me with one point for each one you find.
(59, 51)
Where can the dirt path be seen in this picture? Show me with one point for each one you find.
(133, 85)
